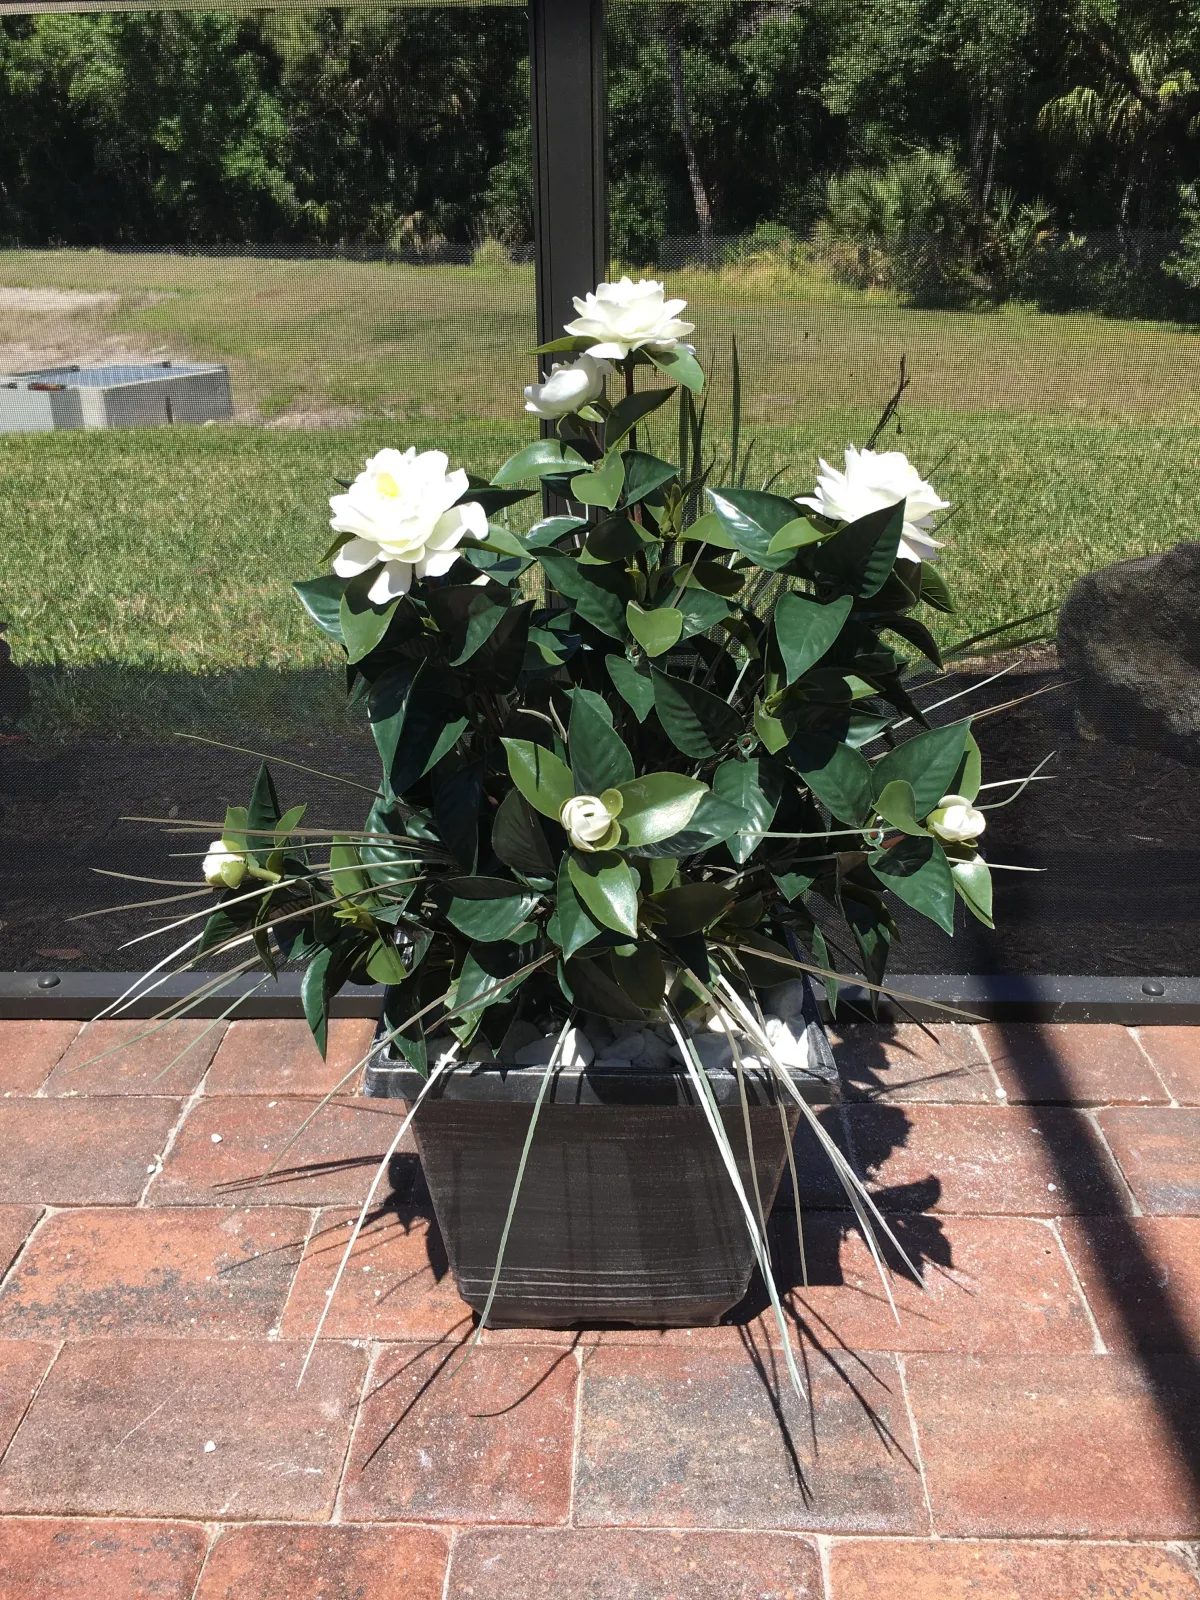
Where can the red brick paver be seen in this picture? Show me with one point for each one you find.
(1175, 1053)
(289, 1563)
(1036, 1409)
(81, 1152)
(16, 1224)
(45, 1558)
(1159, 1153)
(273, 1058)
(1065, 1064)
(661, 1427)
(488, 1439)
(956, 1570)
(332, 1163)
(149, 1408)
(397, 1284)
(623, 1564)
(136, 1058)
(1076, 1446)
(172, 1271)
(28, 1052)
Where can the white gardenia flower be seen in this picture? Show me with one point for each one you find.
(628, 316)
(871, 481)
(401, 509)
(956, 820)
(224, 868)
(570, 386)
(589, 823)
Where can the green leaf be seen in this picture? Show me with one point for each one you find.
(896, 804)
(681, 365)
(599, 757)
(457, 797)
(756, 788)
(446, 740)
(805, 630)
(519, 839)
(793, 884)
(644, 474)
(917, 872)
(769, 729)
(934, 590)
(415, 717)
(384, 963)
(709, 529)
(540, 776)
(794, 536)
(262, 815)
(467, 614)
(538, 460)
(314, 997)
(485, 966)
(633, 685)
(598, 593)
(839, 776)
(488, 908)
(570, 927)
(696, 722)
(712, 822)
(607, 888)
(973, 883)
(614, 539)
(386, 708)
(641, 975)
(716, 579)
(656, 631)
(589, 983)
(657, 806)
(363, 623)
(548, 532)
(603, 484)
(346, 868)
(928, 762)
(322, 599)
(859, 559)
(289, 820)
(752, 518)
(662, 871)
(968, 779)
(700, 611)
(629, 411)
(693, 906)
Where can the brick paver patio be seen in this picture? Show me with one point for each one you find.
(1030, 1427)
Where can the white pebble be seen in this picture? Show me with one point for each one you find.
(210, 1447)
(1052, 1187)
(216, 1138)
(576, 1051)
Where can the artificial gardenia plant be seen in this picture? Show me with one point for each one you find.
(656, 744)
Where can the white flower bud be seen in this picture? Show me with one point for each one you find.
(589, 823)
(224, 868)
(956, 820)
(569, 387)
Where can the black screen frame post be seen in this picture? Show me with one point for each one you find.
(570, 198)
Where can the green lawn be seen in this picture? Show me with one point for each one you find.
(145, 574)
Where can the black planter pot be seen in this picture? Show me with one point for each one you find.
(626, 1212)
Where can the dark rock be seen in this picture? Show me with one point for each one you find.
(1130, 634)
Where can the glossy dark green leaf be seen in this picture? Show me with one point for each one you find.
(713, 821)
(792, 885)
(485, 967)
(599, 757)
(457, 796)
(838, 776)
(709, 529)
(700, 611)
(262, 815)
(928, 762)
(384, 963)
(550, 530)
(363, 624)
(467, 615)
(591, 986)
(692, 907)
(917, 872)
(598, 593)
(656, 631)
(973, 883)
(681, 365)
(968, 777)
(519, 839)
(934, 590)
(571, 926)
(607, 887)
(536, 460)
(752, 518)
(916, 633)
(657, 807)
(323, 978)
(805, 630)
(489, 908)
(634, 686)
(697, 722)
(897, 805)
(755, 787)
(644, 474)
(859, 558)
(542, 778)
(641, 975)
(630, 410)
(614, 539)
(603, 484)
(322, 599)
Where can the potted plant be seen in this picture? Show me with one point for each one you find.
(633, 760)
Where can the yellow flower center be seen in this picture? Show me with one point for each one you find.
(388, 486)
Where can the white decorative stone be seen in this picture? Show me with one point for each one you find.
(576, 1051)
(787, 1001)
(791, 1049)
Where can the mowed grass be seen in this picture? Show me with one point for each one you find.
(146, 573)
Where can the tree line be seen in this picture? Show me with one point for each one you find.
(962, 131)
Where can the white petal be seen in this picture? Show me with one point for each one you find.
(355, 557)
(610, 351)
(395, 578)
(436, 564)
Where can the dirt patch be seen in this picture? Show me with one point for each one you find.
(58, 300)
(314, 419)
